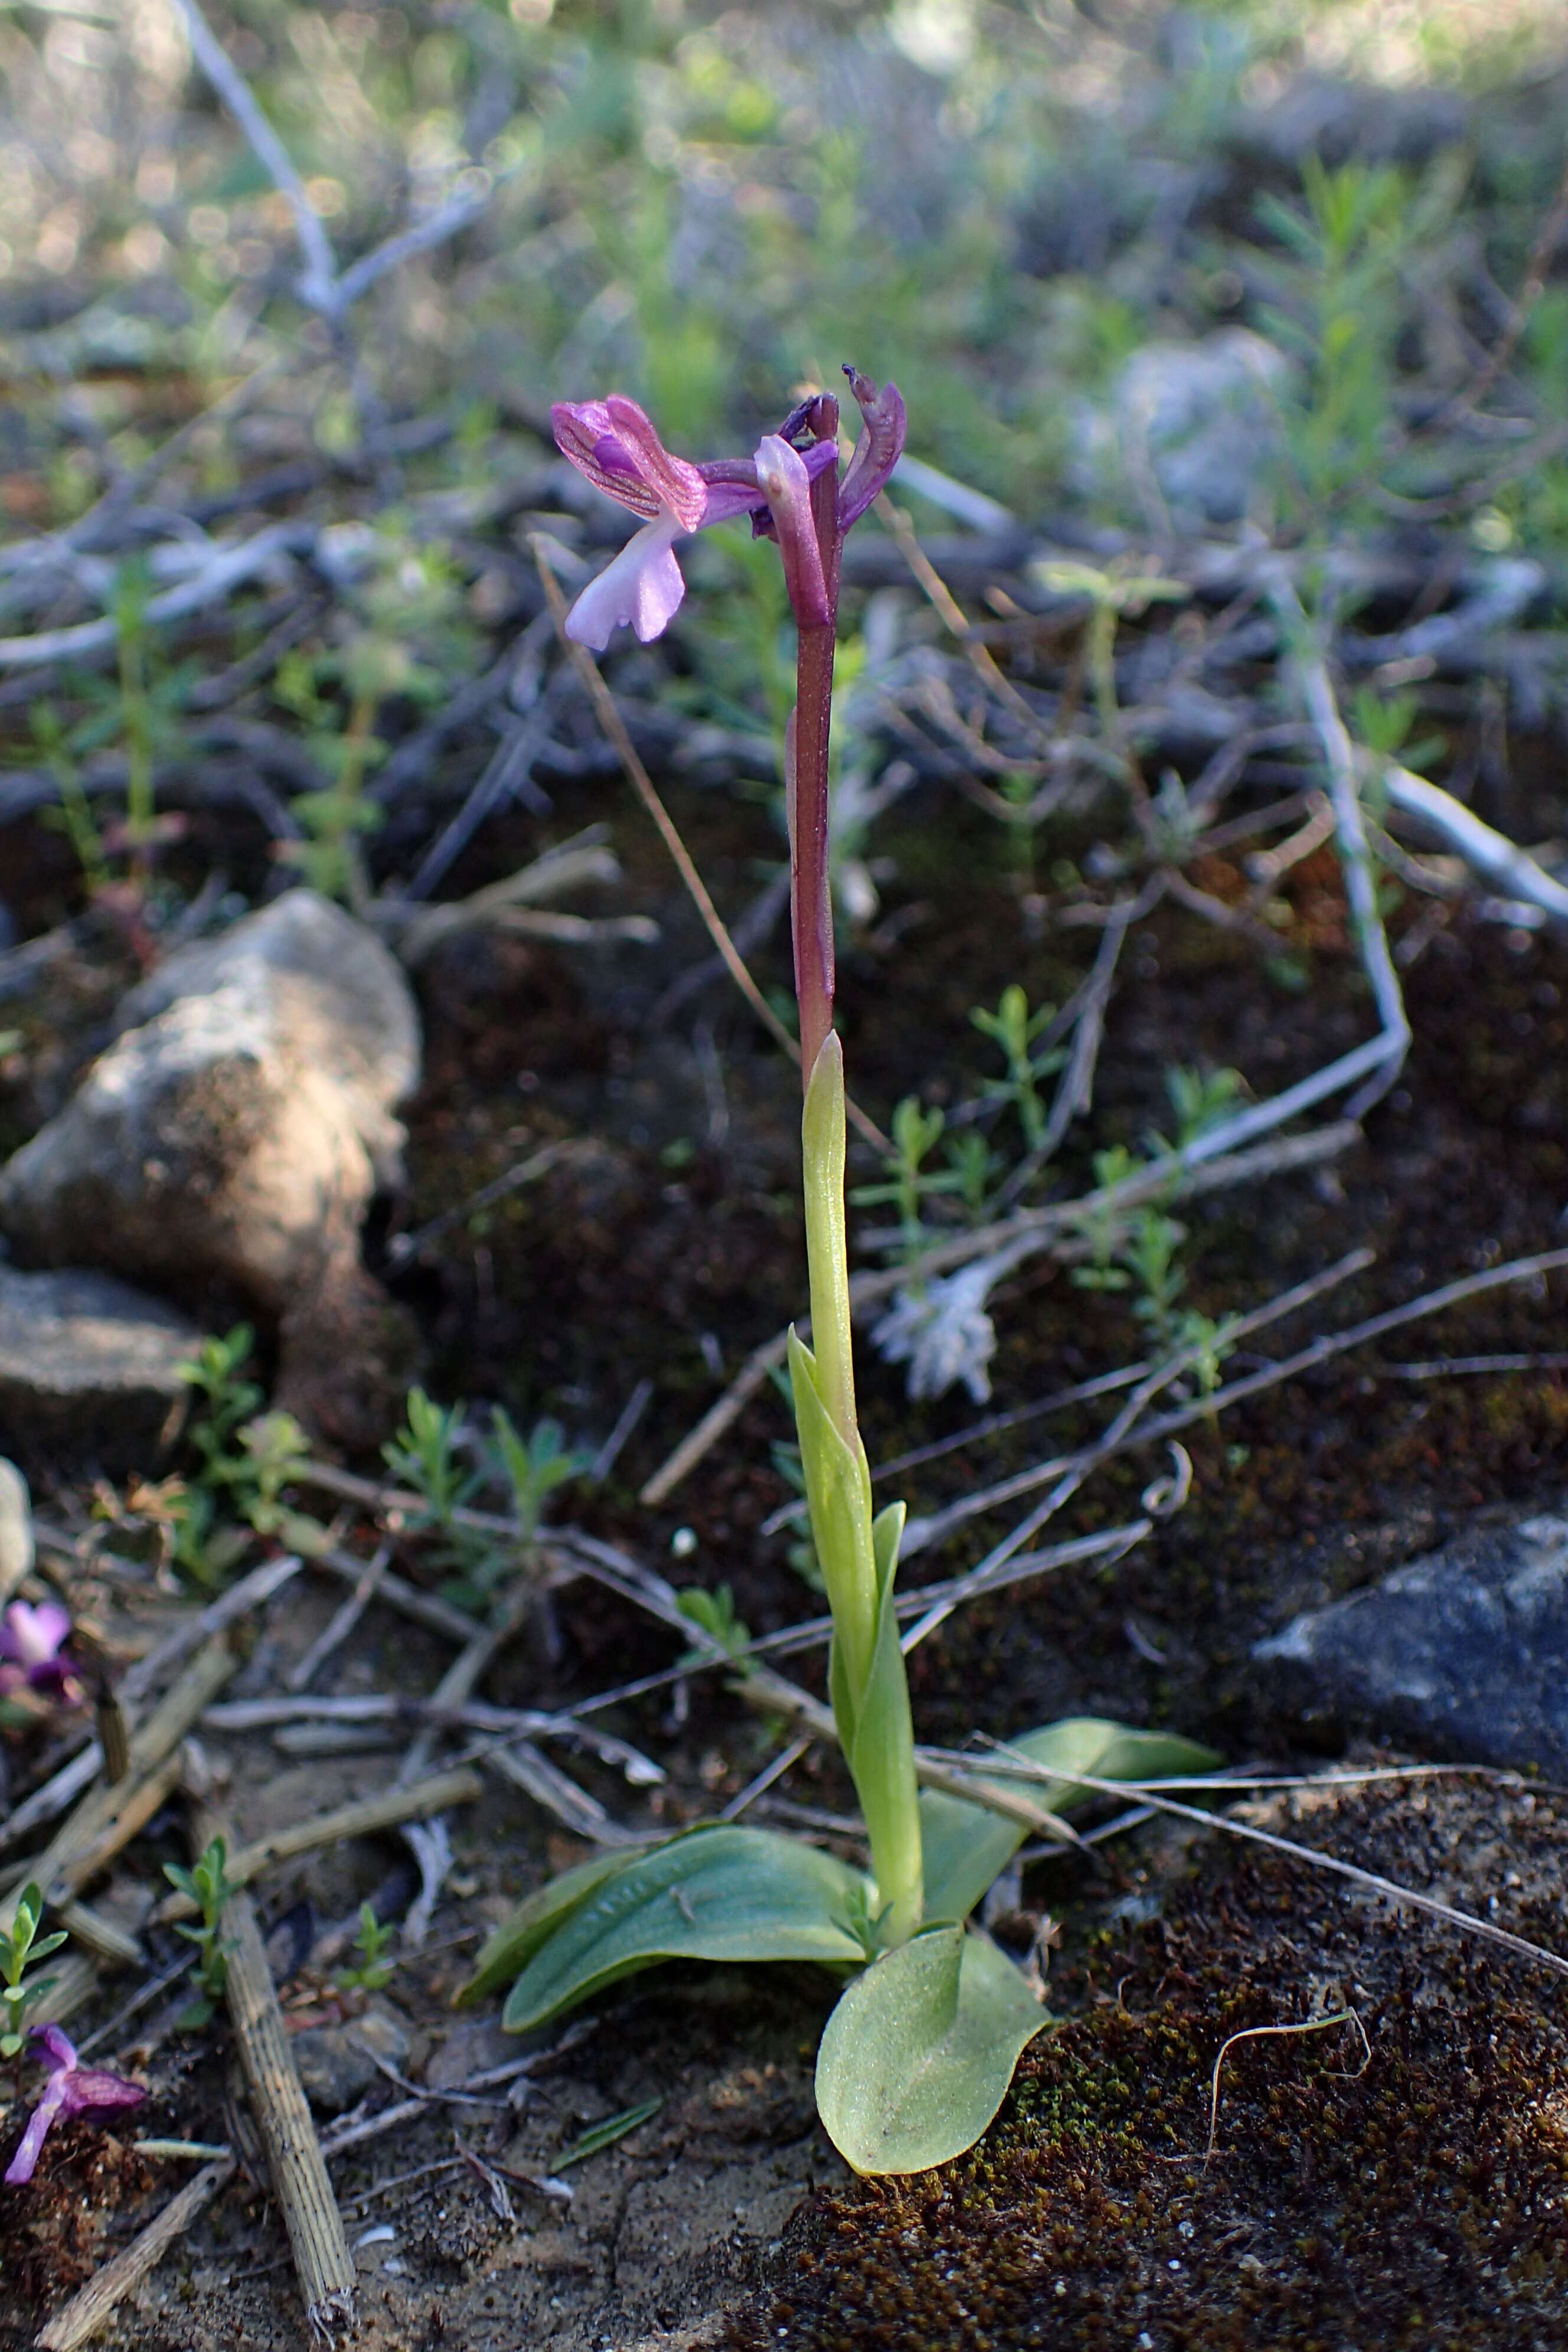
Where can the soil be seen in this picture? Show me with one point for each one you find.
(1417, 2202)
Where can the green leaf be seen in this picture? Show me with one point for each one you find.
(605, 2134)
(917, 2057)
(838, 1496)
(881, 1756)
(508, 1950)
(967, 1846)
(718, 1893)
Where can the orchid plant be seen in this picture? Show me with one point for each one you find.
(917, 2057)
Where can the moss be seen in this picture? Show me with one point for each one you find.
(1412, 2204)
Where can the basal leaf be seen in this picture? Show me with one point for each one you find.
(719, 1894)
(519, 1937)
(967, 1846)
(882, 1760)
(917, 2057)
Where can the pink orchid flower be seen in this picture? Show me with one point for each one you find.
(71, 2090)
(30, 1642)
(615, 445)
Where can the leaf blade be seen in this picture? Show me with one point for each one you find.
(918, 2055)
(720, 1892)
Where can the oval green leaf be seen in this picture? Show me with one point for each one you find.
(917, 2057)
(719, 1894)
(966, 1845)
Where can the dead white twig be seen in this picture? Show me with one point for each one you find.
(1486, 853)
(1355, 856)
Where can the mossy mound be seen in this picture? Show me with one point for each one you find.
(1412, 2204)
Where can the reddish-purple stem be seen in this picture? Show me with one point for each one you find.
(811, 898)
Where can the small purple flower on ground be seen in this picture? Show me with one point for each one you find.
(30, 1642)
(71, 2090)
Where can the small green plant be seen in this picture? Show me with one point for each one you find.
(334, 817)
(1200, 1098)
(1113, 595)
(916, 1133)
(714, 1613)
(975, 1167)
(18, 1949)
(1150, 1259)
(142, 709)
(207, 1885)
(372, 1971)
(424, 1455)
(217, 1373)
(533, 1467)
(1384, 722)
(74, 816)
(248, 1460)
(273, 1451)
(1014, 1028)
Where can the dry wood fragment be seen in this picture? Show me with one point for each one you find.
(323, 2263)
(93, 2305)
(144, 1799)
(98, 1935)
(425, 1608)
(152, 1743)
(384, 1811)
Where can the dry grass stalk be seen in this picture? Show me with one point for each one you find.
(323, 2263)
(152, 1745)
(362, 1819)
(146, 1797)
(93, 2305)
(97, 1934)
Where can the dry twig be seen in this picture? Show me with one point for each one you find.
(323, 2263)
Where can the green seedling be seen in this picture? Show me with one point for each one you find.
(605, 2135)
(1201, 1099)
(216, 1373)
(1014, 1028)
(424, 1455)
(533, 1467)
(19, 1948)
(372, 1971)
(74, 816)
(207, 1885)
(714, 1613)
(915, 1135)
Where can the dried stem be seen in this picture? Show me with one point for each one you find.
(362, 1819)
(323, 2264)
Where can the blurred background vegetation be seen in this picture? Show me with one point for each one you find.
(995, 205)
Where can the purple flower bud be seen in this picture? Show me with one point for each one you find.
(785, 482)
(878, 450)
(71, 2090)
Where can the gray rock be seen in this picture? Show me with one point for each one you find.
(335, 2063)
(16, 1529)
(231, 1137)
(1192, 426)
(89, 1371)
(1464, 1654)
